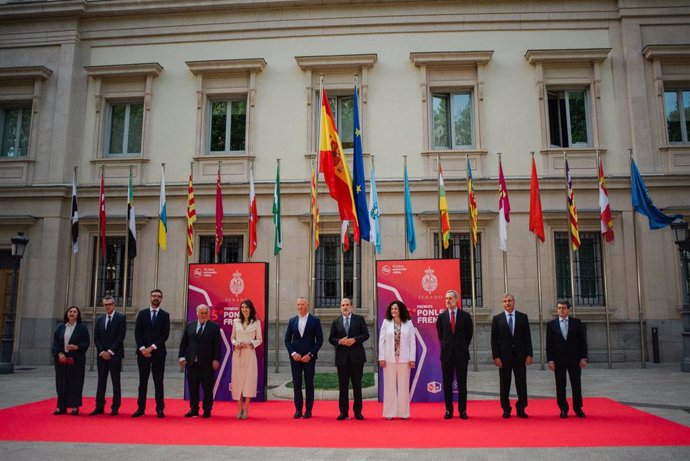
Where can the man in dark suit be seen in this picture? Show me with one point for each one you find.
(303, 339)
(200, 354)
(150, 333)
(109, 337)
(566, 351)
(455, 329)
(348, 333)
(511, 348)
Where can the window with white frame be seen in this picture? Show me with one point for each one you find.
(227, 125)
(451, 120)
(124, 128)
(15, 130)
(569, 124)
(677, 112)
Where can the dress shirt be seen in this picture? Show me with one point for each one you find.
(511, 322)
(564, 328)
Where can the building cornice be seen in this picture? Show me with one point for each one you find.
(579, 55)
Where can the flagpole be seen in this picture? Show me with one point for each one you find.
(374, 298)
(124, 285)
(472, 275)
(640, 309)
(277, 315)
(539, 298)
(215, 250)
(606, 285)
(407, 251)
(505, 255)
(95, 279)
(70, 260)
(570, 235)
(312, 233)
(158, 246)
(312, 253)
(249, 242)
(185, 300)
(438, 205)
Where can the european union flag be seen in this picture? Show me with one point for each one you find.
(642, 202)
(359, 189)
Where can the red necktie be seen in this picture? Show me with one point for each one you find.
(452, 322)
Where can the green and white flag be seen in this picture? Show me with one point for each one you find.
(278, 241)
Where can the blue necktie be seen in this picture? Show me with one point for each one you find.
(510, 324)
(347, 325)
(153, 317)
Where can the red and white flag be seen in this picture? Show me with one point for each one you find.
(253, 216)
(606, 217)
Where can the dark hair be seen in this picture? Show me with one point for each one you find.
(252, 311)
(402, 309)
(564, 301)
(64, 317)
(157, 290)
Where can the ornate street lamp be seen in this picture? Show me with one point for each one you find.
(680, 228)
(6, 348)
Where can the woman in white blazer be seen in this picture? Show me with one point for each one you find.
(397, 353)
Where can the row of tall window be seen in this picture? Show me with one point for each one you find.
(452, 123)
(332, 266)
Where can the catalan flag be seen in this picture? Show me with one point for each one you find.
(335, 171)
(572, 209)
(443, 208)
(472, 201)
(191, 217)
(606, 217)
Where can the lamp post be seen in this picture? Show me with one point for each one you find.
(6, 348)
(680, 228)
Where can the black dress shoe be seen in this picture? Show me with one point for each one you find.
(341, 417)
(506, 414)
(463, 415)
(97, 411)
(207, 414)
(522, 414)
(564, 414)
(297, 415)
(307, 414)
(74, 412)
(579, 413)
(359, 416)
(192, 414)
(114, 412)
(448, 415)
(60, 411)
(138, 413)
(160, 414)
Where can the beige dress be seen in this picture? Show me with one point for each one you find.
(245, 371)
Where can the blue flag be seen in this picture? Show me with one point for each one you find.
(375, 232)
(359, 189)
(409, 221)
(642, 202)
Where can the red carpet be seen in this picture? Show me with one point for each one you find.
(270, 424)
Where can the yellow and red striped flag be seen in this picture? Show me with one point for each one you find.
(443, 208)
(572, 210)
(472, 200)
(191, 217)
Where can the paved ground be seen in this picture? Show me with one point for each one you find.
(659, 389)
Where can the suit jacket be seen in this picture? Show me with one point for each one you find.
(80, 337)
(312, 340)
(204, 348)
(506, 346)
(358, 330)
(566, 351)
(408, 342)
(455, 347)
(113, 339)
(147, 333)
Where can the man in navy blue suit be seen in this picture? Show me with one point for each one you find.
(109, 336)
(303, 339)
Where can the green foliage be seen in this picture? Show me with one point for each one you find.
(329, 381)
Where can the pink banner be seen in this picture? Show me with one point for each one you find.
(223, 287)
(421, 284)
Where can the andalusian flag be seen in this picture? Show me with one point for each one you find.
(443, 208)
(332, 164)
(162, 215)
(572, 209)
(472, 201)
(191, 217)
(278, 240)
(131, 222)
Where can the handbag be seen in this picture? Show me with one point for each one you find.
(64, 360)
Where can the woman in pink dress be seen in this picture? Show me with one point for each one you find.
(246, 337)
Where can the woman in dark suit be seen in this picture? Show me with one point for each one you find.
(70, 342)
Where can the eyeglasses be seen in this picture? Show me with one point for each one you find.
(108, 304)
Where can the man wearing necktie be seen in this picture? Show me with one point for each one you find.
(200, 355)
(455, 330)
(511, 348)
(566, 352)
(348, 333)
(109, 337)
(151, 331)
